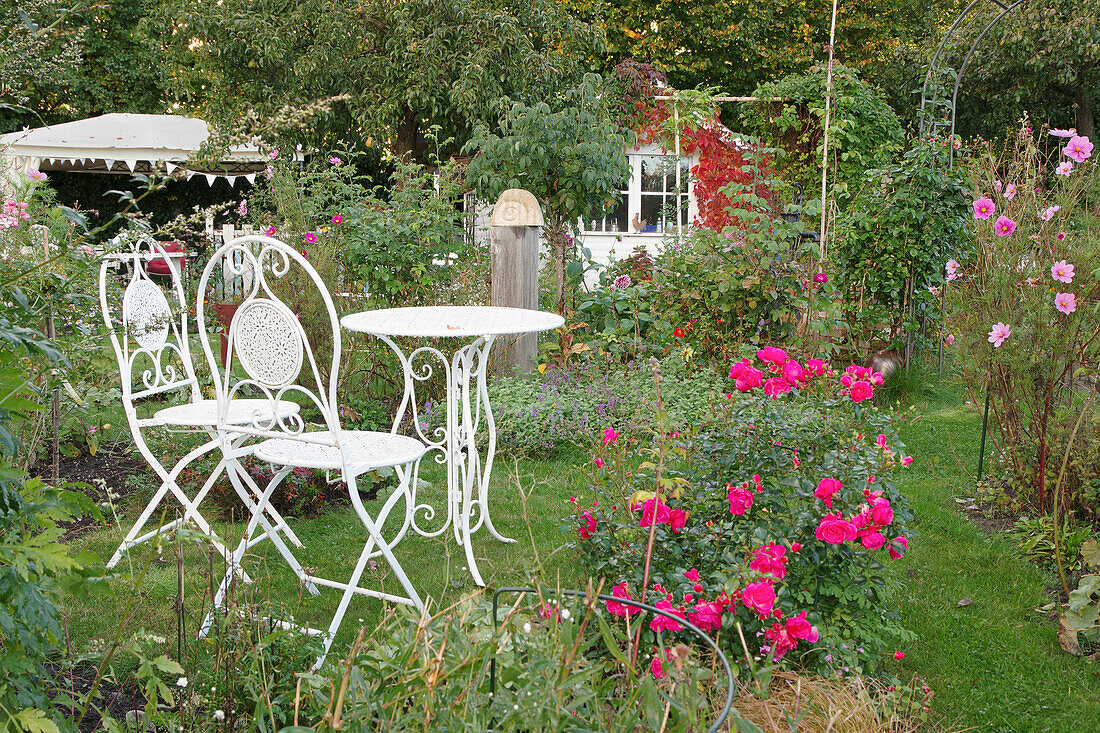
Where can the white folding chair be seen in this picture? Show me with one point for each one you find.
(276, 360)
(154, 358)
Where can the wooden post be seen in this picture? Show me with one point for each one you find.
(55, 396)
(514, 258)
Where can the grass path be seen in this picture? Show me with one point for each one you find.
(994, 664)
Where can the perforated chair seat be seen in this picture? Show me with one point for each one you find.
(366, 449)
(204, 413)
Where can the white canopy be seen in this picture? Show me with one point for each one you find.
(126, 143)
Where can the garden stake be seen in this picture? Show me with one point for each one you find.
(985, 419)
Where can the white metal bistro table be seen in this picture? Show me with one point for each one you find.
(456, 444)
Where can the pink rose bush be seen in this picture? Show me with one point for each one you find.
(777, 518)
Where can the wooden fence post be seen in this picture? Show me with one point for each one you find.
(514, 259)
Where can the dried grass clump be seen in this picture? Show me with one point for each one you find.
(812, 704)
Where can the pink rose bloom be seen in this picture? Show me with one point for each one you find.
(815, 367)
(825, 490)
(707, 616)
(654, 512)
(895, 544)
(847, 380)
(621, 609)
(799, 628)
(1062, 271)
(907, 460)
(1065, 302)
(692, 575)
(1010, 191)
(984, 208)
(856, 370)
(740, 500)
(759, 597)
(609, 436)
(899, 655)
(770, 559)
(657, 668)
(877, 379)
(862, 391)
(663, 623)
(588, 525)
(738, 368)
(677, 518)
(772, 355)
(880, 441)
(835, 531)
(1078, 148)
(1064, 168)
(750, 378)
(776, 386)
(950, 339)
(1004, 226)
(883, 513)
(792, 372)
(873, 540)
(999, 333)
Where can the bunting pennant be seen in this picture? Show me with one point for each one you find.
(109, 163)
(210, 178)
(131, 164)
(190, 174)
(232, 181)
(251, 178)
(169, 166)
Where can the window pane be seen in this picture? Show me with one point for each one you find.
(651, 212)
(653, 172)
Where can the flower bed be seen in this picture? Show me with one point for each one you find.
(767, 526)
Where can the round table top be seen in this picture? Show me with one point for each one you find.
(451, 321)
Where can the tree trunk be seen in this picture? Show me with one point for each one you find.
(1082, 95)
(404, 137)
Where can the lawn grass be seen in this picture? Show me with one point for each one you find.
(333, 541)
(994, 664)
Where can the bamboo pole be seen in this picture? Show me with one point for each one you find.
(825, 143)
(55, 400)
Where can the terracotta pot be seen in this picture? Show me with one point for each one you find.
(225, 313)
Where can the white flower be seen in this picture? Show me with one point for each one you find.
(565, 614)
(527, 628)
(219, 715)
(181, 682)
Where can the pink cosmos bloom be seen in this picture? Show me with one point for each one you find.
(1062, 271)
(609, 435)
(274, 154)
(1064, 168)
(934, 289)
(899, 655)
(750, 378)
(1065, 302)
(337, 219)
(907, 460)
(898, 546)
(334, 160)
(692, 575)
(663, 623)
(270, 231)
(999, 333)
(36, 175)
(1056, 132)
(599, 463)
(1061, 236)
(950, 339)
(1078, 148)
(952, 268)
(998, 185)
(588, 525)
(825, 490)
(862, 391)
(772, 355)
(984, 208)
(621, 609)
(1004, 226)
(740, 500)
(1010, 191)
(310, 237)
(776, 386)
(1049, 212)
(834, 530)
(821, 277)
(759, 597)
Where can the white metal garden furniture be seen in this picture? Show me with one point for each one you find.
(271, 355)
(468, 468)
(150, 341)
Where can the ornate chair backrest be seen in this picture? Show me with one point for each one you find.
(148, 327)
(268, 342)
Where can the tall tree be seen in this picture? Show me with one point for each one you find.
(406, 65)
